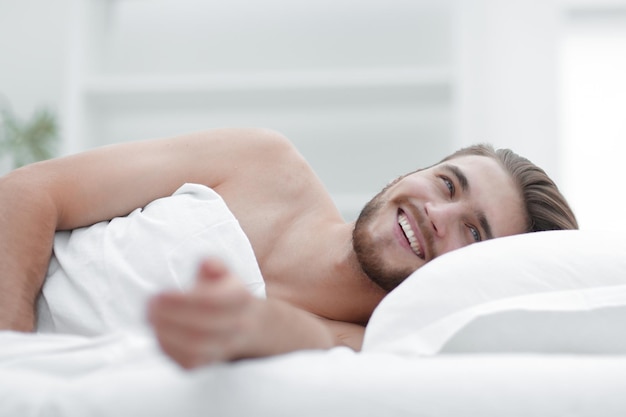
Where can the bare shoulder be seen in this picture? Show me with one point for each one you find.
(247, 144)
(253, 153)
(267, 169)
(274, 192)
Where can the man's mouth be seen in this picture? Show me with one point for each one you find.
(409, 234)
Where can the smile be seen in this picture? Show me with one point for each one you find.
(403, 221)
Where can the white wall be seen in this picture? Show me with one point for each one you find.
(363, 88)
(33, 58)
(33, 53)
(507, 60)
(487, 72)
(592, 113)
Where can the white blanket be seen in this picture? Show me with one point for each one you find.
(111, 366)
(100, 277)
(125, 376)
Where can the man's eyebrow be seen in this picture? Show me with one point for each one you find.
(465, 186)
(482, 219)
(460, 176)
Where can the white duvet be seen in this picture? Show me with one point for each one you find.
(118, 375)
(95, 356)
(101, 276)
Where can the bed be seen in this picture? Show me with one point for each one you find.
(529, 325)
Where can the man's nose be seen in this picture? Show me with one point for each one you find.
(441, 216)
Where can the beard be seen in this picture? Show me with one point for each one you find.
(368, 256)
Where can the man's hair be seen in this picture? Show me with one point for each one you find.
(546, 208)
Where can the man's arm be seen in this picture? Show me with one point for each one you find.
(97, 185)
(219, 320)
(27, 223)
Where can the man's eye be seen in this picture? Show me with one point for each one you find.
(449, 184)
(475, 233)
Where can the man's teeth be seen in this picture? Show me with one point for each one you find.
(410, 234)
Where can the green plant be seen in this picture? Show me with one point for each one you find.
(28, 141)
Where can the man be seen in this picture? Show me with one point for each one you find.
(321, 287)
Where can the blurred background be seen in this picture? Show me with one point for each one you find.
(366, 89)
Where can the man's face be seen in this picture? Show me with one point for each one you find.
(433, 211)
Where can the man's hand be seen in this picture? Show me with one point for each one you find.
(215, 321)
(219, 320)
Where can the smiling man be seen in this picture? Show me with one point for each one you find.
(323, 276)
(433, 211)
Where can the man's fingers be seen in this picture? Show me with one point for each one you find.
(188, 347)
(207, 323)
(191, 336)
(212, 269)
(188, 312)
(226, 297)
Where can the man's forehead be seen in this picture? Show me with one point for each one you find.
(484, 159)
(467, 164)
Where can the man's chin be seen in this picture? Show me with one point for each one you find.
(386, 279)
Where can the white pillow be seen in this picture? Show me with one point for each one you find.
(559, 291)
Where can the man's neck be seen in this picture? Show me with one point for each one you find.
(325, 277)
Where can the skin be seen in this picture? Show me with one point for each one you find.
(318, 294)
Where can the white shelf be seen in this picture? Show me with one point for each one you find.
(112, 85)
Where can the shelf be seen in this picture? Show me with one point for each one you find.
(111, 85)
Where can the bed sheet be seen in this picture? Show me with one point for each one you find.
(123, 375)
